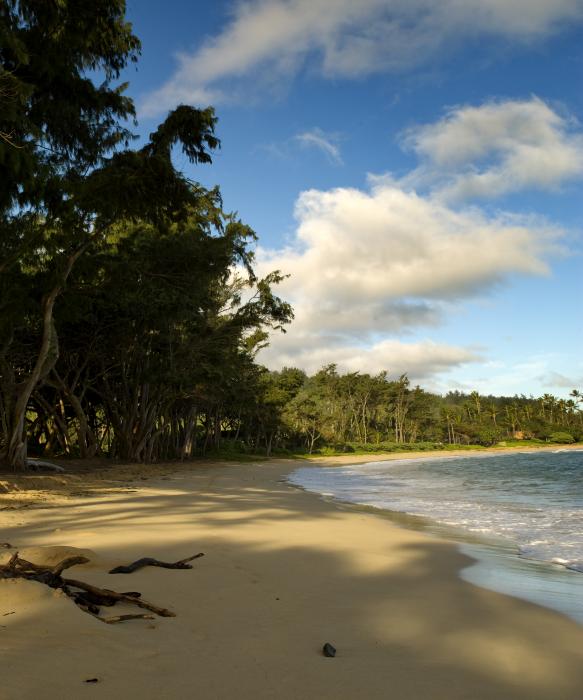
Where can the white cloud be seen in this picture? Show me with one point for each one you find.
(368, 265)
(326, 143)
(420, 361)
(519, 377)
(274, 39)
(556, 379)
(316, 139)
(496, 148)
(388, 243)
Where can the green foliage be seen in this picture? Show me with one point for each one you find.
(333, 413)
(363, 448)
(562, 437)
(55, 120)
(485, 435)
(149, 327)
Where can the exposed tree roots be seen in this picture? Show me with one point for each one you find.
(87, 597)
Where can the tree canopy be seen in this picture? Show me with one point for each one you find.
(70, 185)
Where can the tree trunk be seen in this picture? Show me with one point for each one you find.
(16, 451)
(189, 443)
(268, 444)
(86, 438)
(16, 448)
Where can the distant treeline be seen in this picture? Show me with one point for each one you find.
(356, 411)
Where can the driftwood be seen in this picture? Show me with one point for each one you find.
(87, 597)
(148, 561)
(105, 594)
(123, 618)
(56, 570)
(118, 618)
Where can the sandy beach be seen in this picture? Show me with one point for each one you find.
(284, 572)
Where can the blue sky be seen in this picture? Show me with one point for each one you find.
(417, 168)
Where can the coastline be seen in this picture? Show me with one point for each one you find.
(438, 454)
(497, 563)
(493, 563)
(284, 572)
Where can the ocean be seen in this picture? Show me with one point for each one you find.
(519, 514)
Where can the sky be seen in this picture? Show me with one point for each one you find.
(414, 166)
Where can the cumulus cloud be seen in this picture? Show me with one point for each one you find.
(420, 361)
(344, 38)
(388, 243)
(320, 140)
(366, 266)
(496, 148)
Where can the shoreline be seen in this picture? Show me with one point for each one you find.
(439, 454)
(495, 563)
(284, 572)
(498, 564)
(83, 476)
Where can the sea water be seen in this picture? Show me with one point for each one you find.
(523, 512)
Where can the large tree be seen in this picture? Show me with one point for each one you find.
(67, 173)
(154, 336)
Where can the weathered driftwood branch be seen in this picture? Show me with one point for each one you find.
(123, 618)
(56, 570)
(117, 618)
(11, 565)
(107, 595)
(148, 561)
(87, 597)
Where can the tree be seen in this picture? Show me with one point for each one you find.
(304, 414)
(57, 124)
(64, 182)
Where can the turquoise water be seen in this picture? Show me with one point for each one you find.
(528, 504)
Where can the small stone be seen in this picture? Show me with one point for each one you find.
(328, 650)
(91, 680)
